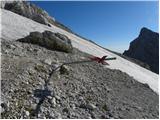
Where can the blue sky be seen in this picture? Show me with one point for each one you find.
(110, 24)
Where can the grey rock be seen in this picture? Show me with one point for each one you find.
(57, 97)
(56, 67)
(33, 12)
(73, 106)
(91, 106)
(108, 89)
(81, 98)
(90, 117)
(53, 102)
(6, 51)
(41, 116)
(48, 61)
(93, 115)
(51, 115)
(74, 115)
(105, 117)
(58, 115)
(33, 106)
(11, 46)
(30, 11)
(4, 107)
(49, 40)
(49, 97)
(51, 89)
(66, 110)
(27, 113)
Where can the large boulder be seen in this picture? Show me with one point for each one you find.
(49, 40)
(146, 49)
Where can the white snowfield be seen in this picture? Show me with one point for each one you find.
(15, 26)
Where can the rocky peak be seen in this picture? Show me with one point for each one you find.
(147, 33)
(145, 48)
(144, 30)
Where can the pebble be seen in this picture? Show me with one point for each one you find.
(91, 106)
(58, 116)
(73, 115)
(33, 105)
(27, 113)
(41, 116)
(53, 101)
(51, 115)
(81, 98)
(29, 49)
(138, 108)
(56, 66)
(57, 97)
(48, 61)
(4, 107)
(108, 89)
(66, 110)
(11, 46)
(6, 51)
(49, 97)
(89, 117)
(29, 91)
(105, 117)
(73, 106)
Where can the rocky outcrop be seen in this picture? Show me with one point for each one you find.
(146, 49)
(49, 40)
(33, 12)
(30, 11)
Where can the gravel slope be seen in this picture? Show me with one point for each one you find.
(87, 90)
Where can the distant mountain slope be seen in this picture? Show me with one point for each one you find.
(146, 49)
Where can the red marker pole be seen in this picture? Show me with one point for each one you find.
(113, 58)
(77, 62)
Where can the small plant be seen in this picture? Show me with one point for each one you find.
(40, 68)
(64, 70)
(104, 107)
(89, 98)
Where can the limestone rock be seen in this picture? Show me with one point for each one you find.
(49, 40)
(33, 12)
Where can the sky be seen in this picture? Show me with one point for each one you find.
(111, 24)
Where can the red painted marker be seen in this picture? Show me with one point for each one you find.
(99, 60)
